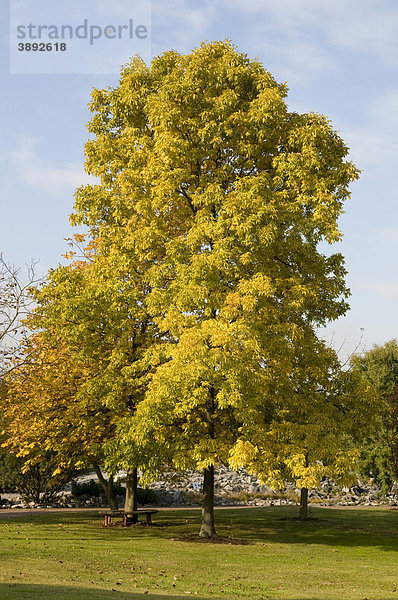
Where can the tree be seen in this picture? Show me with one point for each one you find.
(16, 304)
(35, 482)
(218, 197)
(316, 428)
(379, 367)
(93, 308)
(50, 424)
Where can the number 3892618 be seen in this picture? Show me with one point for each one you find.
(42, 47)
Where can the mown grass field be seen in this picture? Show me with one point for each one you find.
(342, 554)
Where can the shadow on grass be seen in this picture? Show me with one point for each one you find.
(351, 528)
(361, 527)
(72, 518)
(52, 592)
(330, 527)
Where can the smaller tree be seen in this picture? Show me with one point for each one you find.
(379, 368)
(313, 429)
(94, 310)
(50, 425)
(35, 483)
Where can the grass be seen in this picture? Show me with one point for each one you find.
(347, 554)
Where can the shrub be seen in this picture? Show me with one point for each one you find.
(37, 483)
(93, 488)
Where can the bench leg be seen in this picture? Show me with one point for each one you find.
(148, 518)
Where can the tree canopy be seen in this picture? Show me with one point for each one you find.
(218, 196)
(199, 305)
(379, 368)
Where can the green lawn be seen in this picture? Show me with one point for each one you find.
(342, 555)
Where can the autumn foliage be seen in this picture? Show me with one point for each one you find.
(191, 325)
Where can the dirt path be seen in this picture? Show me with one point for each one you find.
(16, 512)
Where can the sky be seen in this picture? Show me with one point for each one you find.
(338, 57)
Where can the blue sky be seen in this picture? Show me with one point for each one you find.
(338, 57)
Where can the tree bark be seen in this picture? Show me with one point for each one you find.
(107, 485)
(304, 504)
(207, 529)
(131, 494)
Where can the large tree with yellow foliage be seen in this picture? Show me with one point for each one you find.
(212, 201)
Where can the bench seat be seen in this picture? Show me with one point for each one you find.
(127, 517)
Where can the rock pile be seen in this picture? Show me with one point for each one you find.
(61, 500)
(231, 488)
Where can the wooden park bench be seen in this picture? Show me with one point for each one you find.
(127, 518)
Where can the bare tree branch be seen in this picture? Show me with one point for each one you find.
(16, 303)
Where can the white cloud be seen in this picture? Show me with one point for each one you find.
(181, 24)
(375, 142)
(305, 34)
(301, 61)
(370, 146)
(384, 108)
(287, 11)
(120, 8)
(386, 234)
(368, 288)
(361, 25)
(33, 170)
(389, 290)
(368, 30)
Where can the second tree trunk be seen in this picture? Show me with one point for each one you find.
(131, 494)
(107, 485)
(207, 529)
(304, 504)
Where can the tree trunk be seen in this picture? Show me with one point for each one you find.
(107, 485)
(304, 504)
(131, 494)
(207, 529)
